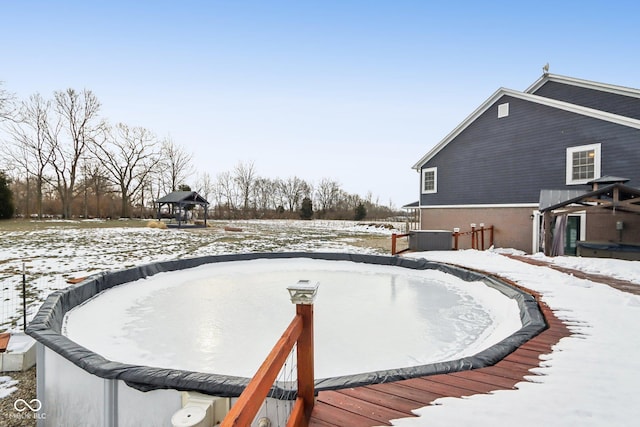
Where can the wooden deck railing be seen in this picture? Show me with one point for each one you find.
(477, 236)
(394, 243)
(300, 330)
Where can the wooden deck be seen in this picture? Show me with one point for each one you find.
(376, 405)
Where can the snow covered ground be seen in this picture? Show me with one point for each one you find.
(52, 251)
(591, 379)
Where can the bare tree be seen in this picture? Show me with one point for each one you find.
(293, 190)
(205, 186)
(32, 134)
(7, 104)
(176, 162)
(96, 177)
(244, 177)
(127, 155)
(227, 192)
(264, 194)
(78, 115)
(327, 194)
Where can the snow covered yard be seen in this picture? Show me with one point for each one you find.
(590, 378)
(54, 251)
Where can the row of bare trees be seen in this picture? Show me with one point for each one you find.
(65, 159)
(242, 193)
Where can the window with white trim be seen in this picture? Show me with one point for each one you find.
(429, 180)
(583, 163)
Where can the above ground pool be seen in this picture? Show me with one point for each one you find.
(224, 318)
(121, 345)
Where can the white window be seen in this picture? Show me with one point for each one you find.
(503, 110)
(583, 164)
(429, 180)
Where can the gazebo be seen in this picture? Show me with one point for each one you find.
(183, 200)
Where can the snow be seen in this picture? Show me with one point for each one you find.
(53, 252)
(428, 316)
(19, 343)
(589, 379)
(7, 386)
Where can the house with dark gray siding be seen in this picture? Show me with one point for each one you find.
(558, 135)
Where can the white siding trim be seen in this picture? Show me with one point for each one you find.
(589, 84)
(506, 205)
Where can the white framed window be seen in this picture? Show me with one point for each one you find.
(583, 163)
(429, 180)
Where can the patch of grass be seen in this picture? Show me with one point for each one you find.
(31, 225)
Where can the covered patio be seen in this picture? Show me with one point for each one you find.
(609, 195)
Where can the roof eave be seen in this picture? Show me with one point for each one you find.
(590, 112)
(589, 84)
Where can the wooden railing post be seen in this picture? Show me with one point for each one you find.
(456, 234)
(394, 237)
(473, 236)
(491, 236)
(482, 236)
(303, 295)
(306, 389)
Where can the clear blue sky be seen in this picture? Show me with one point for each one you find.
(356, 91)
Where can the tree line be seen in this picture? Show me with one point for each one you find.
(60, 157)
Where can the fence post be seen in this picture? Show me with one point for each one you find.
(456, 233)
(491, 236)
(482, 235)
(473, 236)
(394, 237)
(302, 295)
(24, 298)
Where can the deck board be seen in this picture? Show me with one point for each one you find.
(352, 404)
(376, 404)
(407, 392)
(464, 382)
(382, 398)
(487, 378)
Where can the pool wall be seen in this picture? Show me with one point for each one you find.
(113, 393)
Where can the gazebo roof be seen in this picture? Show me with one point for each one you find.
(184, 198)
(614, 196)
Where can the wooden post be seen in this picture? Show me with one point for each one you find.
(394, 237)
(546, 216)
(456, 233)
(491, 236)
(303, 295)
(482, 236)
(473, 237)
(306, 388)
